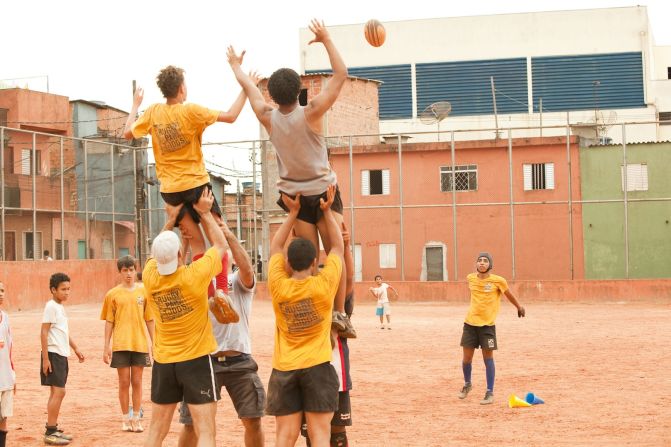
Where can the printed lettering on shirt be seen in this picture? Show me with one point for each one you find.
(171, 304)
(300, 315)
(489, 287)
(170, 137)
(140, 300)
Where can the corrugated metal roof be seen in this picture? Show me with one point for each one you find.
(628, 143)
(329, 73)
(568, 82)
(467, 86)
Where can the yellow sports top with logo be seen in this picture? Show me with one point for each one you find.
(127, 310)
(485, 299)
(176, 138)
(178, 303)
(302, 314)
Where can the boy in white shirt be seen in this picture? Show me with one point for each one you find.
(56, 343)
(7, 375)
(383, 307)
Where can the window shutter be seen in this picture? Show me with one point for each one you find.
(637, 177)
(644, 177)
(365, 183)
(385, 182)
(549, 176)
(526, 169)
(25, 161)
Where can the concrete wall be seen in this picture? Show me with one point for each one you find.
(27, 283)
(649, 235)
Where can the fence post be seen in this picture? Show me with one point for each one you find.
(113, 210)
(400, 195)
(2, 193)
(351, 202)
(33, 172)
(512, 207)
(570, 198)
(63, 204)
(454, 210)
(626, 203)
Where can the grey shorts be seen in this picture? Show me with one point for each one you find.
(479, 337)
(125, 359)
(239, 376)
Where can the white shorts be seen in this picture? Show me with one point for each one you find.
(6, 404)
(383, 309)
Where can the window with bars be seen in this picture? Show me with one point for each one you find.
(637, 177)
(539, 176)
(387, 256)
(62, 249)
(375, 182)
(461, 178)
(27, 162)
(28, 245)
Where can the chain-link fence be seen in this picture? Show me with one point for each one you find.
(547, 203)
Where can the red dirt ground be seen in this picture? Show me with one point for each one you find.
(601, 368)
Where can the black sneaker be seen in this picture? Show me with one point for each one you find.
(488, 399)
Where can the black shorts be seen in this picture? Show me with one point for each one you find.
(479, 337)
(310, 211)
(58, 376)
(189, 198)
(313, 389)
(342, 416)
(239, 376)
(125, 359)
(192, 381)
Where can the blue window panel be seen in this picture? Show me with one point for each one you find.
(467, 86)
(568, 82)
(395, 93)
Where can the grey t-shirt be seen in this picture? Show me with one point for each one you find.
(235, 336)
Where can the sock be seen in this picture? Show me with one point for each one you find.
(127, 416)
(467, 368)
(3, 438)
(50, 429)
(491, 372)
(339, 439)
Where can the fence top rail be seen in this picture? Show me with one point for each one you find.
(67, 137)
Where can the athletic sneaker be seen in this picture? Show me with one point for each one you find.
(222, 308)
(465, 390)
(62, 435)
(54, 439)
(137, 425)
(126, 425)
(488, 399)
(343, 325)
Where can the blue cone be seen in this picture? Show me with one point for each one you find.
(533, 399)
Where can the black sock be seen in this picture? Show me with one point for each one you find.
(3, 438)
(50, 430)
(339, 439)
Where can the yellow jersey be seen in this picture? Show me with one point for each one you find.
(179, 305)
(127, 310)
(176, 138)
(302, 314)
(485, 299)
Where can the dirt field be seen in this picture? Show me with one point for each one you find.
(601, 368)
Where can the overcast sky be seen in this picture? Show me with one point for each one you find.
(93, 50)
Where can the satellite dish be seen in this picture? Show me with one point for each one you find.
(596, 129)
(435, 113)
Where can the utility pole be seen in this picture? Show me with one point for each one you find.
(496, 116)
(139, 195)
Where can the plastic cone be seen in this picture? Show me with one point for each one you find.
(514, 402)
(533, 399)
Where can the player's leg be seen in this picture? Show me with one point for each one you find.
(244, 387)
(319, 428)
(469, 341)
(254, 436)
(136, 383)
(6, 411)
(203, 416)
(287, 428)
(161, 417)
(487, 340)
(56, 396)
(123, 373)
(339, 436)
(342, 418)
(187, 436)
(387, 313)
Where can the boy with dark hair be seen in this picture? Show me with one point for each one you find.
(296, 133)
(7, 374)
(127, 323)
(479, 329)
(176, 130)
(383, 307)
(56, 343)
(303, 379)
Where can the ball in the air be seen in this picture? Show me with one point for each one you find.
(374, 32)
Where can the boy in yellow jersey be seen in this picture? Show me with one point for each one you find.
(177, 298)
(479, 329)
(176, 130)
(127, 323)
(303, 379)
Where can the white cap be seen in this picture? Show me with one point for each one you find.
(165, 249)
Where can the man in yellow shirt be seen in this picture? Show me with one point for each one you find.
(177, 298)
(479, 329)
(127, 323)
(303, 379)
(176, 130)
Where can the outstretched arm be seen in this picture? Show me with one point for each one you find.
(212, 230)
(280, 238)
(232, 114)
(261, 108)
(520, 310)
(325, 99)
(349, 260)
(332, 228)
(240, 256)
(132, 116)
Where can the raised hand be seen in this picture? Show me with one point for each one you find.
(294, 204)
(234, 58)
(138, 96)
(320, 31)
(330, 195)
(204, 204)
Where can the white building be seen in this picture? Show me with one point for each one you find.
(585, 66)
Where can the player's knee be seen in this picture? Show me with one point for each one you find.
(339, 439)
(252, 424)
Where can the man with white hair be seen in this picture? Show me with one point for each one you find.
(177, 298)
